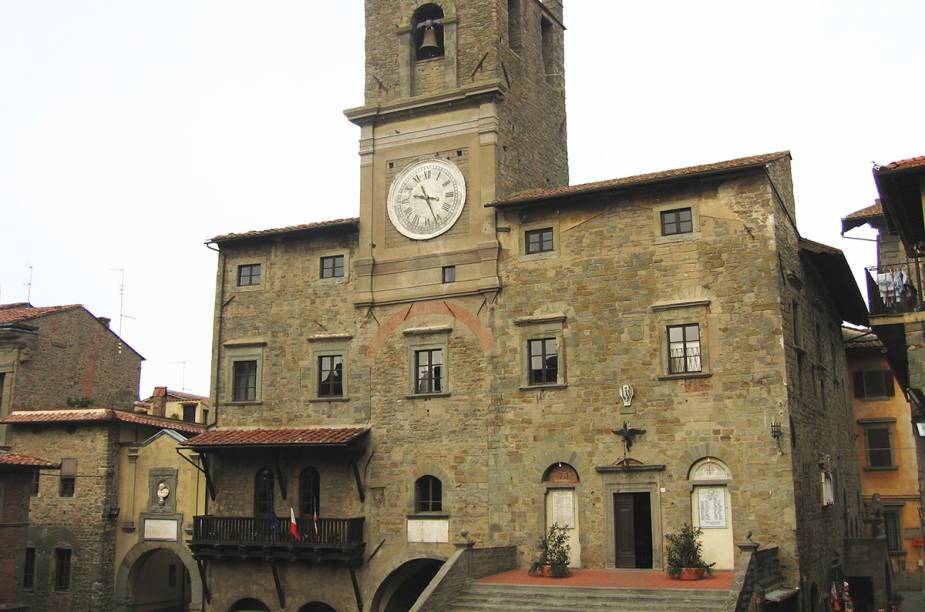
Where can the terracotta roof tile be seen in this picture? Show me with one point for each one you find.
(641, 179)
(182, 396)
(320, 436)
(101, 415)
(866, 213)
(905, 164)
(349, 222)
(23, 311)
(860, 338)
(11, 460)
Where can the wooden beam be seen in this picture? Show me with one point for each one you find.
(356, 475)
(356, 589)
(279, 475)
(280, 594)
(202, 577)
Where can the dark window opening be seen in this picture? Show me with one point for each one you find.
(539, 241)
(427, 32)
(873, 383)
(310, 492)
(67, 483)
(428, 367)
(546, 42)
(514, 24)
(879, 450)
(28, 569)
(330, 376)
(332, 267)
(795, 311)
(263, 493)
(62, 569)
(684, 349)
(678, 221)
(449, 274)
(428, 494)
(542, 355)
(244, 381)
(36, 481)
(248, 275)
(205, 416)
(189, 413)
(893, 530)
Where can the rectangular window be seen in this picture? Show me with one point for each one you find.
(2, 380)
(205, 416)
(795, 311)
(684, 349)
(542, 355)
(449, 274)
(245, 381)
(893, 530)
(189, 413)
(873, 383)
(28, 569)
(330, 376)
(539, 241)
(428, 368)
(879, 451)
(546, 42)
(678, 221)
(36, 480)
(67, 483)
(62, 569)
(332, 267)
(249, 275)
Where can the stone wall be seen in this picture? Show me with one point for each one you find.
(15, 487)
(78, 523)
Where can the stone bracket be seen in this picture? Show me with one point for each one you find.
(204, 469)
(280, 478)
(202, 577)
(280, 593)
(356, 588)
(356, 474)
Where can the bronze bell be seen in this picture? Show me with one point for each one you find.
(429, 47)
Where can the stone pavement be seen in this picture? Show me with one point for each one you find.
(913, 601)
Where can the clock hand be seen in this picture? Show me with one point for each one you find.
(427, 199)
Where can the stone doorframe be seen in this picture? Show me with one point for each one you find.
(632, 478)
(127, 569)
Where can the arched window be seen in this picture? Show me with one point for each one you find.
(428, 494)
(309, 492)
(263, 493)
(560, 473)
(427, 32)
(249, 605)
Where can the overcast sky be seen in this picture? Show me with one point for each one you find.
(131, 131)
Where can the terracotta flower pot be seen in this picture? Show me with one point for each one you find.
(691, 573)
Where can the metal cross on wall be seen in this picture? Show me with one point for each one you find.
(629, 435)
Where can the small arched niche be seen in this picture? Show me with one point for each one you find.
(560, 474)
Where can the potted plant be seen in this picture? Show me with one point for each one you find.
(554, 555)
(685, 554)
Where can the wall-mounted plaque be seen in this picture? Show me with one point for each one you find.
(563, 508)
(711, 505)
(163, 530)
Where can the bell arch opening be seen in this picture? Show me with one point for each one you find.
(427, 32)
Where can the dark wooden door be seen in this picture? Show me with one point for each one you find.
(624, 532)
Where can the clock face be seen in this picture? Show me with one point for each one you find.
(426, 198)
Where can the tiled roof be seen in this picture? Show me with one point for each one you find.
(320, 436)
(860, 338)
(642, 179)
(182, 396)
(23, 311)
(904, 164)
(11, 460)
(90, 415)
(866, 213)
(350, 222)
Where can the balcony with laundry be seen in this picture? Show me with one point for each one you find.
(895, 288)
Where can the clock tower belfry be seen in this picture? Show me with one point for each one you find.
(464, 104)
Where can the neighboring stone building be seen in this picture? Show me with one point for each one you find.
(179, 405)
(456, 364)
(18, 475)
(886, 451)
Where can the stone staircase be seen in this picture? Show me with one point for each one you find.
(501, 597)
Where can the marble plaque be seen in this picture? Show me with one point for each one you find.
(712, 507)
(164, 530)
(428, 530)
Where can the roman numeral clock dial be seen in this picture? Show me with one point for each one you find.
(426, 198)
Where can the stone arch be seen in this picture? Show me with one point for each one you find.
(248, 604)
(412, 574)
(133, 561)
(434, 307)
(707, 449)
(316, 606)
(411, 6)
(561, 473)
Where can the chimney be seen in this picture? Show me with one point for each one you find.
(105, 321)
(159, 405)
(160, 391)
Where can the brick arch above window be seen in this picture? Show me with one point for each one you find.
(440, 307)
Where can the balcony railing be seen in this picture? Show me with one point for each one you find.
(327, 539)
(895, 288)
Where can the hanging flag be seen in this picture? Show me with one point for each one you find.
(315, 516)
(274, 523)
(293, 526)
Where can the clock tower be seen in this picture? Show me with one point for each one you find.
(465, 103)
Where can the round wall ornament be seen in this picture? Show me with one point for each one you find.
(426, 198)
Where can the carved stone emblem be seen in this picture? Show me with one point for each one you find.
(163, 492)
(626, 393)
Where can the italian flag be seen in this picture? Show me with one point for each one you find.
(293, 526)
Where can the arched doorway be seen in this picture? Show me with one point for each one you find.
(316, 606)
(403, 586)
(249, 605)
(561, 480)
(160, 576)
(711, 511)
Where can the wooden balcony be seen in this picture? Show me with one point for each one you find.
(895, 289)
(327, 540)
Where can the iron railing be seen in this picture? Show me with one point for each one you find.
(895, 288)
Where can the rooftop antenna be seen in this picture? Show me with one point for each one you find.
(122, 314)
(182, 365)
(29, 284)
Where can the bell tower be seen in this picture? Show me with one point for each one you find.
(464, 104)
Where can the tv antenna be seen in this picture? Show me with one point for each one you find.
(122, 314)
(28, 284)
(182, 365)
